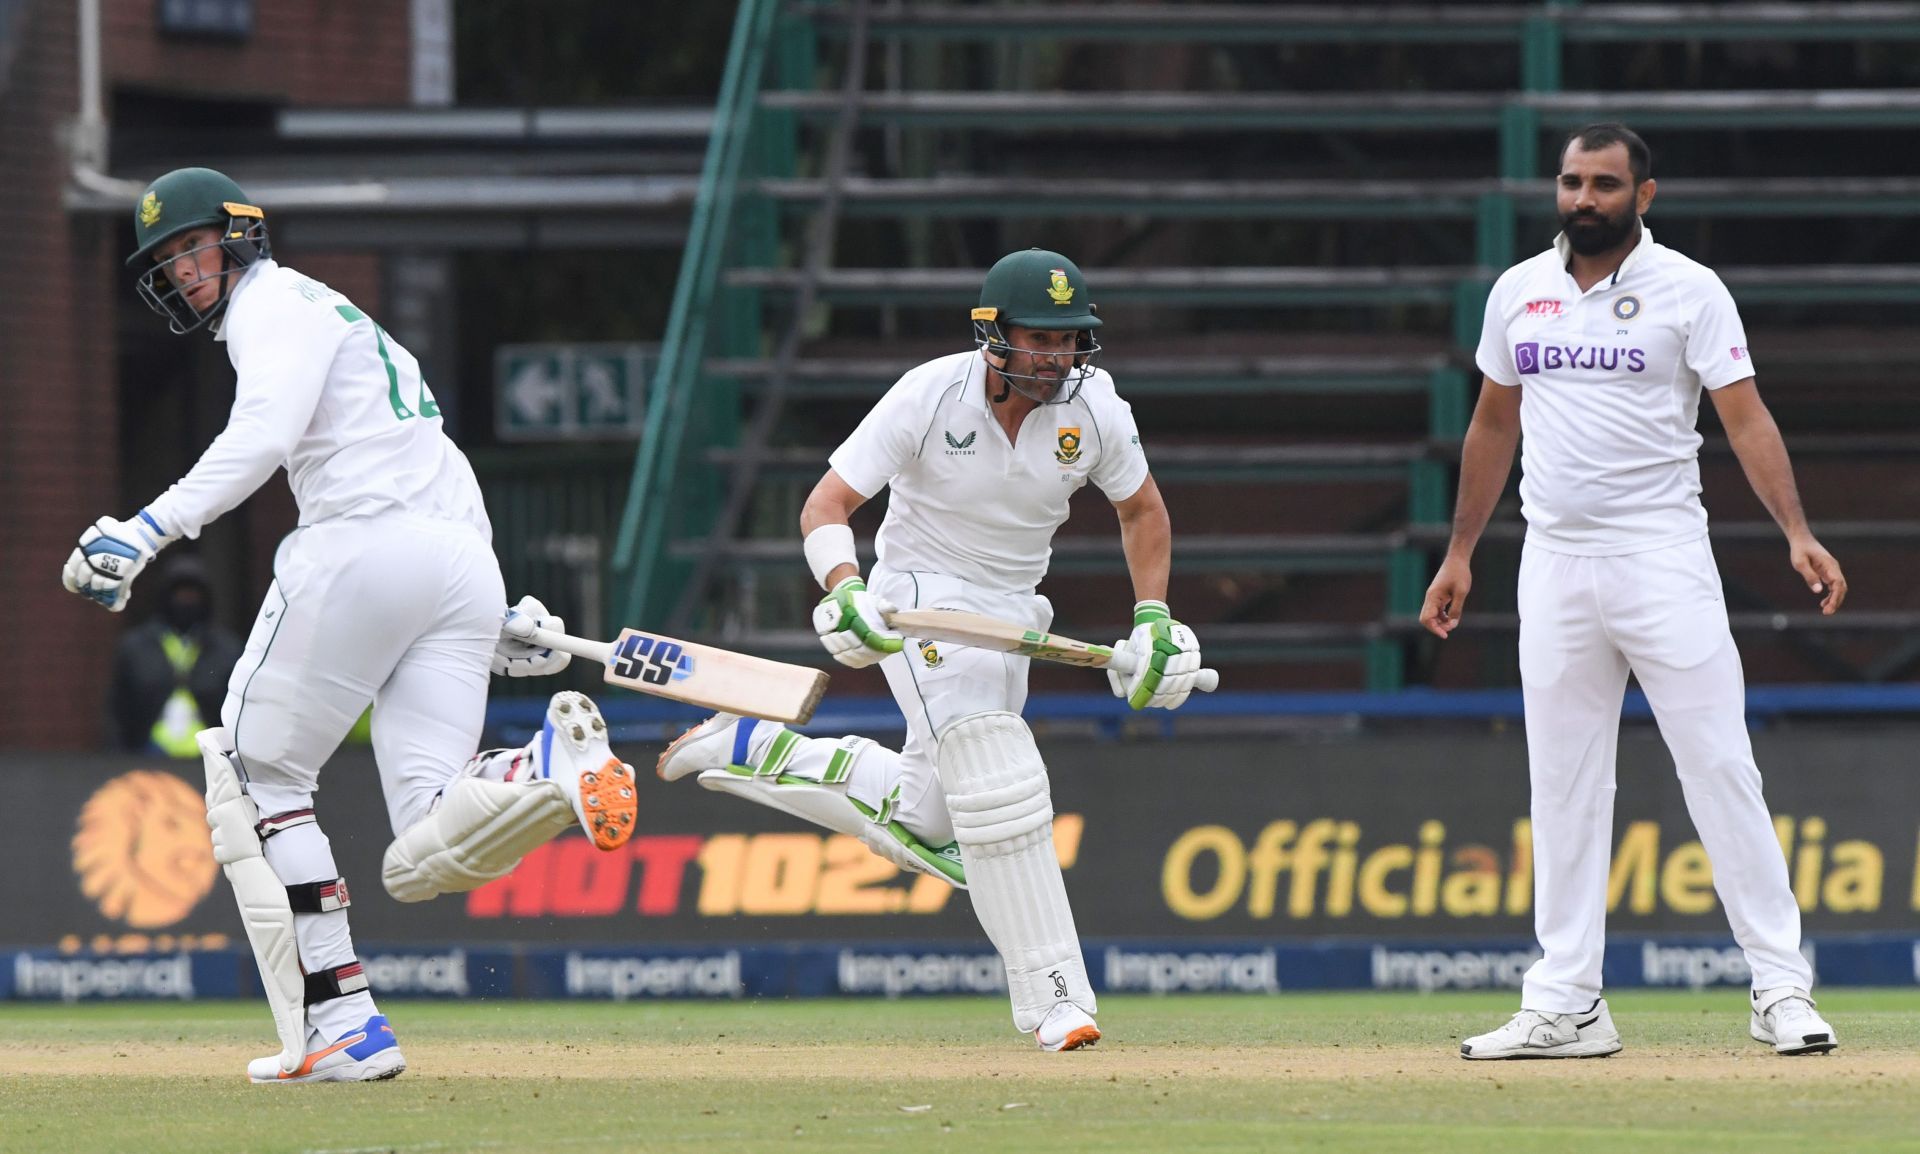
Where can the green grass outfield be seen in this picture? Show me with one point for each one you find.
(1319, 1072)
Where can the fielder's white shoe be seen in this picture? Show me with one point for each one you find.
(367, 1053)
(1533, 1034)
(1785, 1019)
(572, 752)
(1067, 1027)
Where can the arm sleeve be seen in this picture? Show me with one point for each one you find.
(1493, 357)
(883, 443)
(1716, 340)
(1122, 467)
(281, 355)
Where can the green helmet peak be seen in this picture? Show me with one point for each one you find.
(180, 201)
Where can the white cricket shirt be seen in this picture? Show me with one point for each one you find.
(1610, 390)
(966, 502)
(324, 391)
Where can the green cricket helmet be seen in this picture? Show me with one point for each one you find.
(180, 201)
(1036, 289)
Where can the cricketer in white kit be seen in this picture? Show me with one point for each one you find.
(980, 451)
(1595, 353)
(387, 593)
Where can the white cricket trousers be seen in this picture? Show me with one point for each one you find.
(396, 610)
(937, 684)
(1584, 623)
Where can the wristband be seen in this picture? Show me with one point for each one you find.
(1147, 612)
(827, 548)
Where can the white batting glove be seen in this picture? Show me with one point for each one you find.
(852, 627)
(1170, 665)
(110, 555)
(515, 654)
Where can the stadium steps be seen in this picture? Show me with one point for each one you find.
(1356, 287)
(1375, 23)
(1138, 376)
(1187, 111)
(1040, 196)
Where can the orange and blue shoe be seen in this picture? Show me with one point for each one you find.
(368, 1053)
(572, 751)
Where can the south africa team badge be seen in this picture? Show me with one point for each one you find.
(1068, 438)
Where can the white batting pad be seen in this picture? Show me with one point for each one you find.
(480, 831)
(264, 910)
(996, 788)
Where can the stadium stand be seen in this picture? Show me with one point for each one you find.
(1292, 256)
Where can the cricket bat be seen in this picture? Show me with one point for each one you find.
(982, 632)
(717, 679)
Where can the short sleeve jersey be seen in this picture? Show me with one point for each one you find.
(964, 500)
(1610, 391)
(324, 391)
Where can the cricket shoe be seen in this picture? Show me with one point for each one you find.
(367, 1053)
(572, 751)
(1067, 1027)
(771, 765)
(1785, 1019)
(1534, 1034)
(716, 743)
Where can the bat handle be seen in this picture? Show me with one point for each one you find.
(597, 651)
(1126, 663)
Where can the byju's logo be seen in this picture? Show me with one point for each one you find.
(1534, 357)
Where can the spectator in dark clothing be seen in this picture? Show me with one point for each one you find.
(170, 672)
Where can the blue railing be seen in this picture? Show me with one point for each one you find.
(513, 720)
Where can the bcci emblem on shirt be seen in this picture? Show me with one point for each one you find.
(1068, 438)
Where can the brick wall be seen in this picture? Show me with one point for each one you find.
(323, 52)
(57, 451)
(58, 427)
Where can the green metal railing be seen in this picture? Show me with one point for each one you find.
(669, 490)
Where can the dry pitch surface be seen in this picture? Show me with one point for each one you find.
(1366, 1072)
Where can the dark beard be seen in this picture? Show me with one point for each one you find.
(1591, 234)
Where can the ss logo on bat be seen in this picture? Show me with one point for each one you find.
(653, 660)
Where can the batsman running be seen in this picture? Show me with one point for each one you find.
(982, 450)
(388, 593)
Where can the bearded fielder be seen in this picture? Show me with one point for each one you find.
(388, 593)
(1598, 350)
(981, 449)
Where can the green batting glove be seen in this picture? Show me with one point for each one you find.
(1171, 653)
(852, 627)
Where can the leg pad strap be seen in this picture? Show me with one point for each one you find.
(337, 982)
(318, 897)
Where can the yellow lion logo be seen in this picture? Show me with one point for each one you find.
(1059, 288)
(1069, 441)
(142, 851)
(149, 210)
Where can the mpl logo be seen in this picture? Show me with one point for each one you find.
(1740, 352)
(1545, 308)
(1535, 357)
